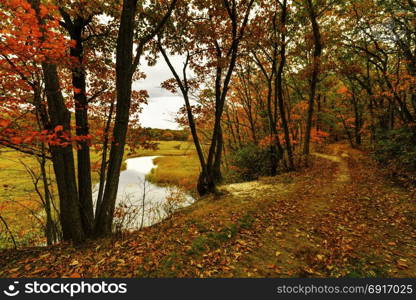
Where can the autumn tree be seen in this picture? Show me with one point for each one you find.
(126, 65)
(212, 34)
(269, 54)
(66, 45)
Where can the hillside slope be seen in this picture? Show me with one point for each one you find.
(339, 217)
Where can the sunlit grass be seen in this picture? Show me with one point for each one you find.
(20, 205)
(176, 170)
(178, 164)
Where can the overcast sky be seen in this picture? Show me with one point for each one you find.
(163, 105)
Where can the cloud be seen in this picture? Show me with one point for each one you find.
(163, 105)
(160, 112)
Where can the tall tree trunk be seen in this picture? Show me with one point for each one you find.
(43, 122)
(217, 161)
(221, 90)
(276, 149)
(63, 159)
(232, 140)
(82, 128)
(103, 166)
(203, 179)
(49, 227)
(315, 73)
(357, 120)
(62, 155)
(237, 128)
(270, 121)
(279, 86)
(318, 115)
(124, 73)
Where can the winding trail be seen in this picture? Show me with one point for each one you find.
(340, 156)
(338, 225)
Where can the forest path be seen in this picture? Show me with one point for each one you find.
(339, 156)
(345, 220)
(339, 217)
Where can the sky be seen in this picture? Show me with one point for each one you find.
(162, 104)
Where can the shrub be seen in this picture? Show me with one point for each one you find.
(249, 163)
(246, 222)
(396, 149)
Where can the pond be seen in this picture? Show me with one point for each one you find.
(141, 203)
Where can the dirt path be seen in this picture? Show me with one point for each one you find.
(339, 156)
(340, 217)
(338, 226)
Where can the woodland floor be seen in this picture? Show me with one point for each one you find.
(339, 217)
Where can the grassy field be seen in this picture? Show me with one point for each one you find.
(18, 199)
(13, 176)
(19, 203)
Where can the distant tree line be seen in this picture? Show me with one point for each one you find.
(157, 134)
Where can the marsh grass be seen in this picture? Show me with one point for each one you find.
(182, 171)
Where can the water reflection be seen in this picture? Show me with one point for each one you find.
(141, 203)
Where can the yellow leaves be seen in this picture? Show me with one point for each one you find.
(402, 263)
(242, 242)
(74, 263)
(320, 257)
(14, 270)
(277, 253)
(309, 270)
(330, 267)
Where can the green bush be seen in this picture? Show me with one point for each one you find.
(246, 222)
(249, 163)
(396, 149)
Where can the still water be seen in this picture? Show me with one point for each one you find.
(141, 203)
